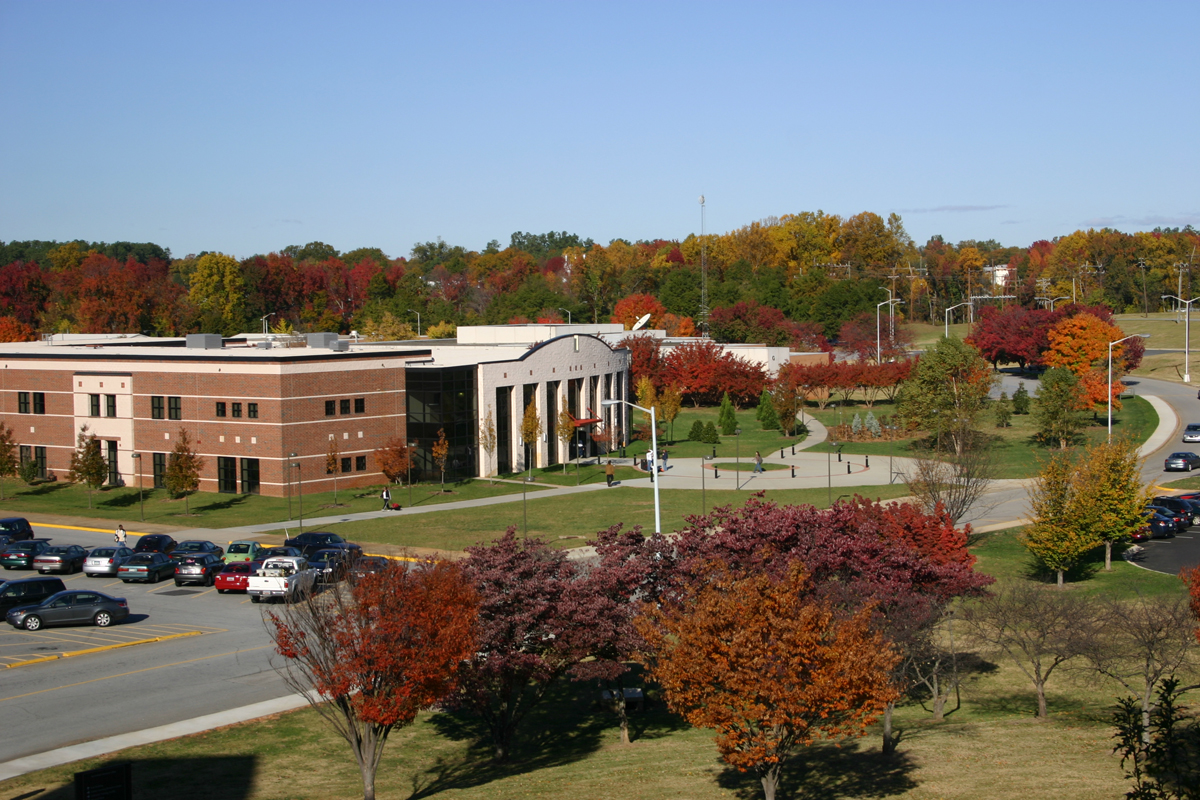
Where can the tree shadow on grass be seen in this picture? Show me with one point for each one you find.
(126, 499)
(43, 489)
(221, 505)
(225, 777)
(827, 771)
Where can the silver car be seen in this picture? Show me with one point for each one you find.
(106, 560)
(1191, 433)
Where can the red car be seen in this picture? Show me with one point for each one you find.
(235, 576)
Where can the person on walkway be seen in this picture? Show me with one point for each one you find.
(387, 498)
(650, 464)
(664, 459)
(757, 461)
(609, 472)
(120, 535)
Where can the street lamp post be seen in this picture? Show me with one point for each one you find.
(1056, 299)
(568, 315)
(418, 321)
(299, 489)
(829, 467)
(948, 310)
(737, 471)
(264, 320)
(137, 466)
(1187, 335)
(1110, 347)
(653, 449)
(878, 342)
(411, 445)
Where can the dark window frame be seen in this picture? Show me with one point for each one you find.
(360, 463)
(22, 402)
(159, 470)
(220, 408)
(158, 407)
(330, 408)
(235, 410)
(360, 405)
(174, 408)
(39, 402)
(345, 464)
(252, 410)
(110, 405)
(93, 405)
(344, 406)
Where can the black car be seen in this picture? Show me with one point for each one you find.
(271, 552)
(20, 555)
(1157, 527)
(201, 568)
(312, 541)
(1182, 507)
(195, 547)
(331, 563)
(156, 543)
(1181, 523)
(369, 565)
(70, 608)
(14, 529)
(28, 591)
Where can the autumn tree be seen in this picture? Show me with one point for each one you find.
(88, 465)
(703, 371)
(531, 433)
(1080, 344)
(487, 438)
(565, 430)
(13, 330)
(333, 464)
(394, 459)
(1109, 497)
(787, 402)
(768, 667)
(670, 403)
(1058, 407)
(947, 391)
(9, 461)
(441, 449)
(630, 309)
(1054, 537)
(218, 291)
(387, 328)
(183, 468)
(375, 651)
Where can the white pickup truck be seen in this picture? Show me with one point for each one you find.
(286, 577)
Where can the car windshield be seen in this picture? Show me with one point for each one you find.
(326, 556)
(146, 558)
(103, 552)
(239, 548)
(56, 551)
(23, 547)
(190, 546)
(10, 526)
(237, 566)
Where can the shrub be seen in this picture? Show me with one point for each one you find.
(696, 434)
(1020, 399)
(710, 434)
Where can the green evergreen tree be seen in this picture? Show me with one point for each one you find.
(766, 412)
(873, 425)
(856, 425)
(710, 434)
(1020, 399)
(1059, 410)
(696, 434)
(726, 417)
(1003, 410)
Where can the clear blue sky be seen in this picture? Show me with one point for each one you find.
(247, 126)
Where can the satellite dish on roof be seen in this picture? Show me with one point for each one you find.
(641, 323)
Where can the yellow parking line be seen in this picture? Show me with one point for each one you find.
(80, 528)
(134, 672)
(207, 591)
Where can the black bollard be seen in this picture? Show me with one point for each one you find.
(839, 456)
(847, 467)
(868, 460)
(714, 451)
(793, 449)
(716, 472)
(781, 452)
(793, 470)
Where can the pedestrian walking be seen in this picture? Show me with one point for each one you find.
(664, 459)
(609, 472)
(119, 536)
(757, 461)
(387, 499)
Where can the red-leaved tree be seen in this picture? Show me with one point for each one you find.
(373, 652)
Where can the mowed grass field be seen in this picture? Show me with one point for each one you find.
(989, 746)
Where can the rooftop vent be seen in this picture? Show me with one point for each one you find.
(323, 340)
(204, 341)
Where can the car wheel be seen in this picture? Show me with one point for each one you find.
(102, 619)
(33, 622)
(255, 598)
(177, 583)
(221, 591)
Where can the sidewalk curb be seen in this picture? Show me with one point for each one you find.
(101, 649)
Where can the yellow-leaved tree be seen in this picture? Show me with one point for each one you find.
(218, 292)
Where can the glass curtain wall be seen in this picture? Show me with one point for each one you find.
(442, 400)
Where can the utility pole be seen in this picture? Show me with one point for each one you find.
(703, 274)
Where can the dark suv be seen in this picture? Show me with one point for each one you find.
(14, 529)
(312, 541)
(155, 543)
(29, 591)
(1181, 507)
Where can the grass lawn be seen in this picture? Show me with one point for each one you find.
(1017, 454)
(585, 474)
(572, 521)
(752, 438)
(210, 510)
(989, 746)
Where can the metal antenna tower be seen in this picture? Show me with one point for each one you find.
(703, 274)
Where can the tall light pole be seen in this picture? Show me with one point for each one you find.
(737, 471)
(137, 466)
(948, 310)
(568, 315)
(653, 449)
(1110, 347)
(1187, 335)
(1056, 299)
(299, 489)
(418, 321)
(878, 342)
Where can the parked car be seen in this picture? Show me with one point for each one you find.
(312, 541)
(106, 560)
(155, 543)
(275, 552)
(368, 565)
(332, 564)
(70, 608)
(284, 577)
(20, 555)
(201, 568)
(1192, 433)
(14, 529)
(1181, 507)
(66, 558)
(196, 547)
(243, 550)
(1186, 461)
(29, 591)
(1157, 526)
(235, 576)
(147, 567)
(1177, 520)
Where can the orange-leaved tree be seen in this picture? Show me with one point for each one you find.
(630, 309)
(1080, 344)
(441, 450)
(768, 666)
(373, 652)
(394, 459)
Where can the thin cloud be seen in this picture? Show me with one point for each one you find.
(1150, 221)
(949, 209)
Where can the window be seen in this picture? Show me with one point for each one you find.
(94, 405)
(346, 464)
(236, 409)
(26, 454)
(39, 402)
(110, 405)
(174, 408)
(226, 474)
(160, 470)
(220, 409)
(360, 463)
(252, 410)
(39, 456)
(156, 408)
(249, 476)
(345, 407)
(114, 476)
(330, 407)
(23, 402)
(360, 405)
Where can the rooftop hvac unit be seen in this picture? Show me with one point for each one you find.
(204, 341)
(324, 340)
